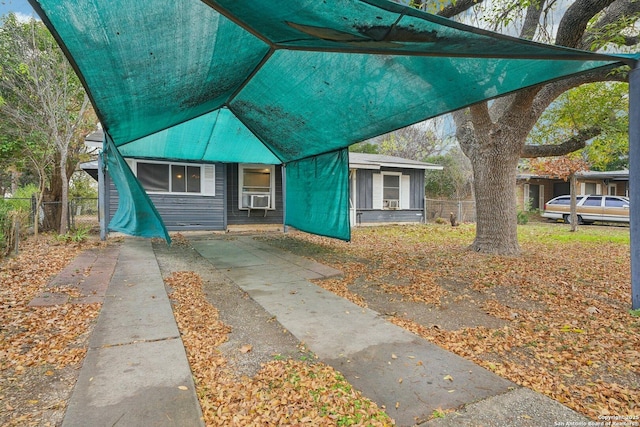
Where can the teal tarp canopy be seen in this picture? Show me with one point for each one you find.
(284, 81)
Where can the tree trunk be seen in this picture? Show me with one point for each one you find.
(52, 197)
(494, 151)
(64, 192)
(496, 210)
(573, 212)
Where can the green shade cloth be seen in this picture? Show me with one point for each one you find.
(136, 215)
(318, 194)
(234, 81)
(218, 135)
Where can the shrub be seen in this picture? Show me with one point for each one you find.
(523, 217)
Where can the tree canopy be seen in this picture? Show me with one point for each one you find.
(494, 135)
(44, 110)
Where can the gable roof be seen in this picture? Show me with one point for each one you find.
(376, 161)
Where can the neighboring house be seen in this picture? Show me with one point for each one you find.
(386, 189)
(219, 196)
(533, 191)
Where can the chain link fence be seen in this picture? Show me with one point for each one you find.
(18, 216)
(464, 210)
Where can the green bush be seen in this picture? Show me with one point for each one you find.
(523, 217)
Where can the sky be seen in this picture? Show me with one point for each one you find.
(19, 7)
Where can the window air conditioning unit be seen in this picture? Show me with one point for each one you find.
(259, 201)
(391, 204)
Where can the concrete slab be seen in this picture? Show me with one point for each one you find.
(143, 384)
(136, 371)
(88, 275)
(407, 375)
(520, 407)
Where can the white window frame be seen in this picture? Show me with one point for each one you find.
(272, 184)
(207, 176)
(399, 175)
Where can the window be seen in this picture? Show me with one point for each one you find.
(592, 201)
(590, 188)
(614, 202)
(561, 201)
(158, 177)
(256, 186)
(390, 191)
(154, 177)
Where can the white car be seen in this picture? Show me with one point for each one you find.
(589, 208)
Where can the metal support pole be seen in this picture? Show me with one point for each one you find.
(634, 183)
(102, 216)
(285, 228)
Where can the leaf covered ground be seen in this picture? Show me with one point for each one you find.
(284, 392)
(41, 348)
(556, 319)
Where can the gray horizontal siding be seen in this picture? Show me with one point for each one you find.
(380, 216)
(237, 216)
(180, 212)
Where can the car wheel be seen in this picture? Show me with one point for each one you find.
(567, 219)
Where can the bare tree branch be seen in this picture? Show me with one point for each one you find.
(569, 146)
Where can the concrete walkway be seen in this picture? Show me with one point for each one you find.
(406, 374)
(135, 372)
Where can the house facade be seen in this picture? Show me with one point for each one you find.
(386, 189)
(533, 191)
(223, 196)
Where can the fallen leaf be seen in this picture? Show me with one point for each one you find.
(246, 348)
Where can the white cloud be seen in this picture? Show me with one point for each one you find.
(23, 17)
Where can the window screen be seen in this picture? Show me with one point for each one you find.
(193, 179)
(178, 179)
(166, 177)
(153, 176)
(391, 187)
(254, 181)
